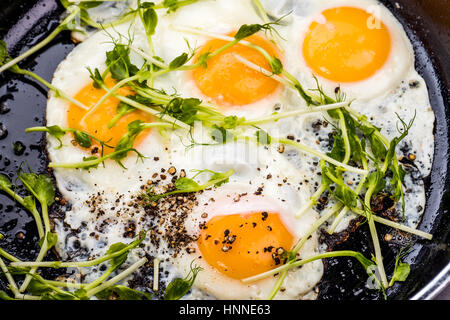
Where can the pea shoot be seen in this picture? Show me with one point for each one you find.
(179, 287)
(189, 185)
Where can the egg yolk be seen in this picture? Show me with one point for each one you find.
(350, 46)
(96, 123)
(243, 245)
(229, 82)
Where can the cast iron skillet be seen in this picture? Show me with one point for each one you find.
(22, 104)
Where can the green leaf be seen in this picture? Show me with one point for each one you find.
(376, 145)
(29, 203)
(230, 122)
(189, 103)
(375, 181)
(398, 174)
(5, 296)
(276, 65)
(52, 239)
(125, 144)
(56, 131)
(401, 273)
(184, 110)
(341, 191)
(5, 58)
(83, 139)
(119, 64)
(333, 113)
(189, 109)
(221, 177)
(356, 146)
(81, 294)
(345, 195)
(96, 78)
(246, 31)
(41, 186)
(338, 151)
(119, 260)
(178, 287)
(5, 183)
(38, 288)
(150, 20)
(391, 151)
(179, 61)
(186, 184)
(325, 179)
(135, 127)
(141, 99)
(154, 66)
(402, 269)
(84, 16)
(147, 5)
(3, 52)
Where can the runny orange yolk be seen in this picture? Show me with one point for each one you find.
(227, 81)
(96, 123)
(352, 45)
(243, 245)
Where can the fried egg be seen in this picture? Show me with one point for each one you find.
(112, 177)
(358, 46)
(245, 226)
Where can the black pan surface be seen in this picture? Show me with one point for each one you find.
(23, 102)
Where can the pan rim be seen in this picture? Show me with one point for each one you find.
(435, 286)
